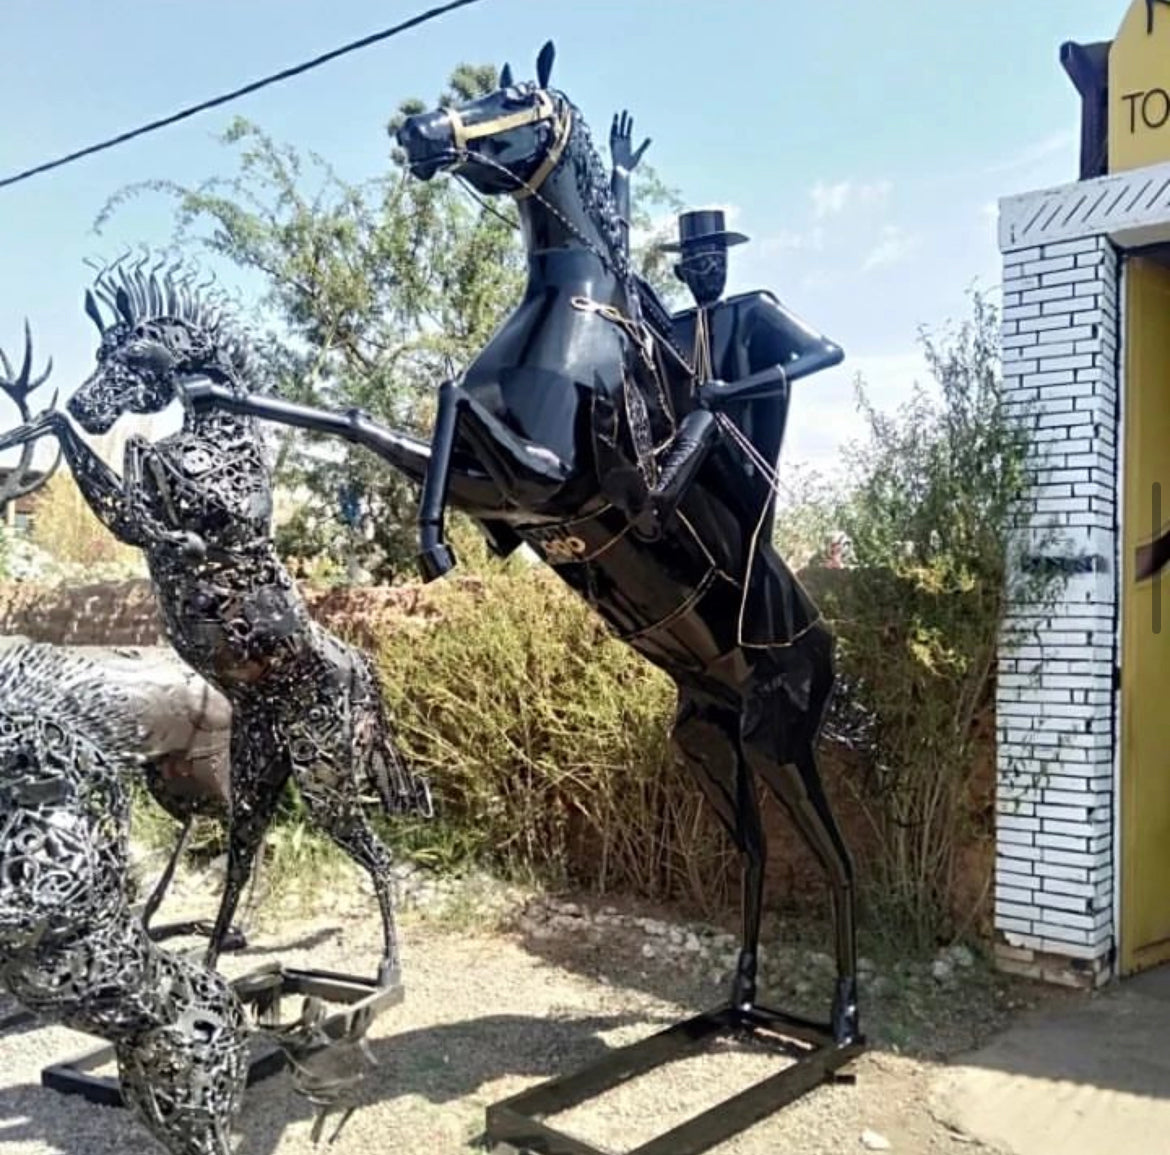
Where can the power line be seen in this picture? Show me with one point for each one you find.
(255, 86)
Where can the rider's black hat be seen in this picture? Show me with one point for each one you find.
(702, 225)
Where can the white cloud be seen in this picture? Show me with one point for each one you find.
(831, 200)
(792, 240)
(894, 246)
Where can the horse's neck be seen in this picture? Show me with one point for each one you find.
(227, 430)
(567, 242)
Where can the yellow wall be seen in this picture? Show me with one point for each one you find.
(1145, 655)
(1139, 88)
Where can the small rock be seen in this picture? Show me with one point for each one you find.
(570, 910)
(692, 944)
(647, 950)
(865, 966)
(879, 986)
(962, 955)
(874, 1141)
(942, 969)
(818, 960)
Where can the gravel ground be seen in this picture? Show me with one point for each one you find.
(489, 1012)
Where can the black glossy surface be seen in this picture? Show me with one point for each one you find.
(586, 435)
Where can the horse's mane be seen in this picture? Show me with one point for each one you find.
(47, 683)
(593, 185)
(136, 295)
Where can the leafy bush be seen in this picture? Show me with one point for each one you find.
(547, 743)
(928, 512)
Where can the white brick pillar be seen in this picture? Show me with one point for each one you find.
(1055, 698)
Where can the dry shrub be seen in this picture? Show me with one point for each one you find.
(66, 528)
(547, 742)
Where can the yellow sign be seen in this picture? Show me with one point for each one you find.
(1139, 87)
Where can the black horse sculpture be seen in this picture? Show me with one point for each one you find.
(583, 430)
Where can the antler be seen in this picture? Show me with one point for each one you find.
(18, 387)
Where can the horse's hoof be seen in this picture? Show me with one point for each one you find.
(435, 561)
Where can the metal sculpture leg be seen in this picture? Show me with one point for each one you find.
(707, 737)
(347, 826)
(515, 464)
(164, 882)
(233, 938)
(797, 785)
(260, 768)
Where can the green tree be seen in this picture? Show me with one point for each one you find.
(372, 294)
(929, 510)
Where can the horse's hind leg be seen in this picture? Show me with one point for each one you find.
(707, 737)
(337, 813)
(796, 781)
(164, 882)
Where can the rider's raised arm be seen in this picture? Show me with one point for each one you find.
(625, 160)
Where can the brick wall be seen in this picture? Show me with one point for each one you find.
(125, 614)
(1054, 909)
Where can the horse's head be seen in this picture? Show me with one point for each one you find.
(162, 332)
(506, 142)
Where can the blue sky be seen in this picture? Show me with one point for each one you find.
(861, 145)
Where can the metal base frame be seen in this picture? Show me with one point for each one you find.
(73, 1076)
(234, 940)
(517, 1124)
(262, 990)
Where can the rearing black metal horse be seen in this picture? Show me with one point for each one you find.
(582, 432)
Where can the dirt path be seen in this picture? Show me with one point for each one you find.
(486, 1015)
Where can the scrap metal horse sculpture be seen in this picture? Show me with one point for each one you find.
(199, 503)
(186, 782)
(71, 950)
(580, 431)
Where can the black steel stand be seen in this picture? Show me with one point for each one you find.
(261, 990)
(73, 1076)
(517, 1123)
(234, 940)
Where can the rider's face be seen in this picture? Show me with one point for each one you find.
(703, 269)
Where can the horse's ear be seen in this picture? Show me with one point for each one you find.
(93, 312)
(544, 63)
(122, 300)
(506, 76)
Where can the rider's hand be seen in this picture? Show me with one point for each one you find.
(620, 135)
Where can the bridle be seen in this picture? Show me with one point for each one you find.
(544, 109)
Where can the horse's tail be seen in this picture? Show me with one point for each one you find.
(400, 790)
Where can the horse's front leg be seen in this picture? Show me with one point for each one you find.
(527, 473)
(101, 487)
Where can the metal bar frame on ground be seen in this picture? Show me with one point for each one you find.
(356, 994)
(518, 1122)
